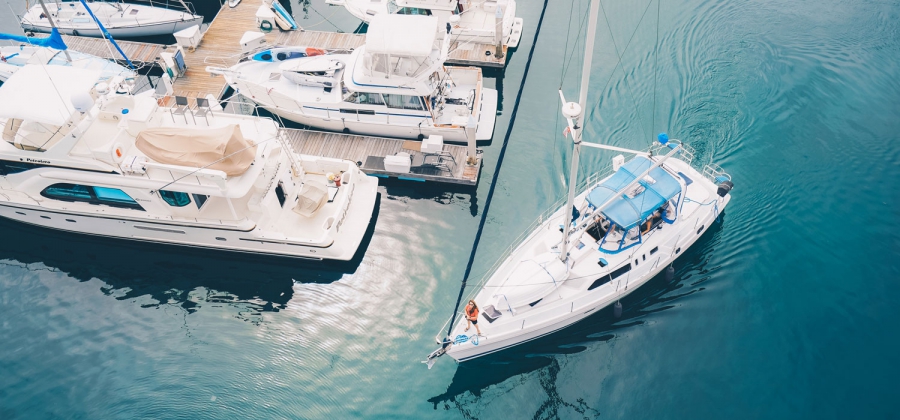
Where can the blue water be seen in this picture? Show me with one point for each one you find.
(786, 308)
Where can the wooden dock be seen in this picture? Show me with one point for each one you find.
(140, 53)
(369, 152)
(220, 47)
(465, 54)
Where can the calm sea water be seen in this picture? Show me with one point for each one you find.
(787, 308)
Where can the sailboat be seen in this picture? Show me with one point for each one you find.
(472, 21)
(91, 158)
(52, 51)
(120, 19)
(601, 245)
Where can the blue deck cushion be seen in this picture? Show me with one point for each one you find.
(627, 212)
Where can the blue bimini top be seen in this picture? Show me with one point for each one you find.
(629, 211)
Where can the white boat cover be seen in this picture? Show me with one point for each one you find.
(223, 148)
(44, 93)
(401, 35)
(310, 199)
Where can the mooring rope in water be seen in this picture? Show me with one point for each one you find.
(487, 204)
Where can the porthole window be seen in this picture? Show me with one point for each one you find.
(175, 198)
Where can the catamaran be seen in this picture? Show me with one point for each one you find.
(78, 156)
(604, 243)
(396, 85)
(472, 21)
(120, 19)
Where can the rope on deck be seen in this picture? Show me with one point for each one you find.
(490, 196)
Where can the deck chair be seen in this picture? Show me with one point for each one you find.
(203, 109)
(181, 108)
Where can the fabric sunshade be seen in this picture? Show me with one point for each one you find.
(401, 35)
(629, 211)
(43, 94)
(224, 148)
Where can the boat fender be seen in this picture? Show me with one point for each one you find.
(724, 188)
(670, 273)
(617, 310)
(265, 26)
(117, 153)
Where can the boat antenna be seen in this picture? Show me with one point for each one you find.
(53, 24)
(576, 112)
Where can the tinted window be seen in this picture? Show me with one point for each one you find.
(610, 277)
(404, 102)
(68, 192)
(364, 98)
(279, 193)
(175, 198)
(413, 11)
(112, 197)
(200, 200)
(10, 167)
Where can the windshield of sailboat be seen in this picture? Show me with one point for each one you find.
(224, 149)
(640, 201)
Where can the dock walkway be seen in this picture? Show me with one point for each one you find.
(370, 153)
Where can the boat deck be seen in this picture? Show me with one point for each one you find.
(140, 53)
(369, 152)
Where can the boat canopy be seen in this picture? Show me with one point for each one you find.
(401, 35)
(224, 148)
(52, 41)
(630, 209)
(44, 93)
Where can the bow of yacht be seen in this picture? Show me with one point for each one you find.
(80, 156)
(120, 19)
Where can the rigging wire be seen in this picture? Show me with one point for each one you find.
(622, 68)
(487, 205)
(655, 69)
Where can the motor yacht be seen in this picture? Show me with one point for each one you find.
(80, 156)
(472, 21)
(396, 85)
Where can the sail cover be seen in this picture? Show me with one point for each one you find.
(223, 148)
(52, 41)
(628, 211)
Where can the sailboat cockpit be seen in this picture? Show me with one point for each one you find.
(635, 213)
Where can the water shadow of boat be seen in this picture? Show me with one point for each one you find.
(168, 274)
(656, 295)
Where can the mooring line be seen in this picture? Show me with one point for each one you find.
(487, 204)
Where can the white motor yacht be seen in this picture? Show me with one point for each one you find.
(396, 85)
(472, 21)
(79, 157)
(119, 18)
(13, 57)
(600, 246)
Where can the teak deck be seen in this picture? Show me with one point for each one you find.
(140, 53)
(373, 149)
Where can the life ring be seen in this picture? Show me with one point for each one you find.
(265, 26)
(117, 153)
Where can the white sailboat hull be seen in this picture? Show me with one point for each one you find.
(571, 302)
(71, 19)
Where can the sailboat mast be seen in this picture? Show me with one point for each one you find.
(579, 122)
(53, 24)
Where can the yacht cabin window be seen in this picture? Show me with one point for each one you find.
(404, 102)
(112, 197)
(364, 98)
(175, 198)
(413, 11)
(200, 200)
